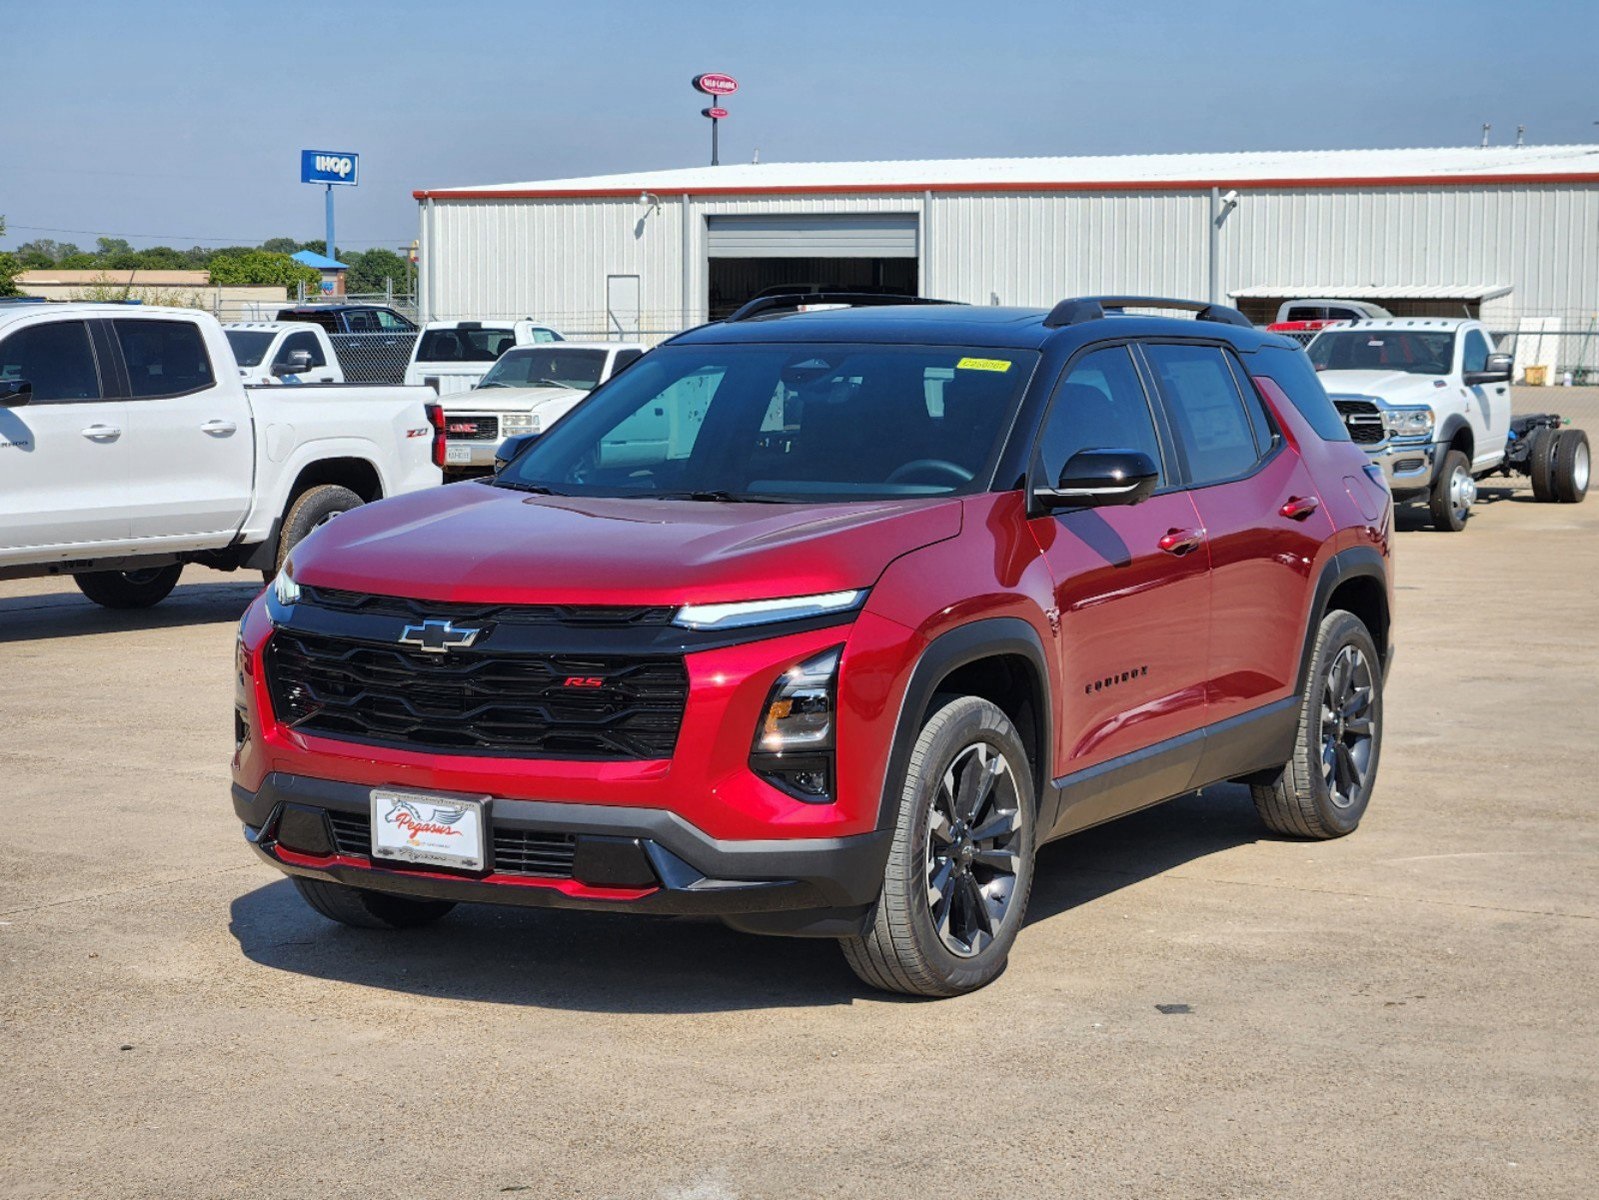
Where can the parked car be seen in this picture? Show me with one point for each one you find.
(452, 356)
(373, 341)
(822, 622)
(129, 446)
(1429, 400)
(271, 352)
(527, 390)
(1303, 319)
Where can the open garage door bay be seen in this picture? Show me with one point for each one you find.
(750, 255)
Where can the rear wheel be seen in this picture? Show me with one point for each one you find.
(312, 508)
(129, 589)
(1323, 790)
(961, 864)
(1541, 463)
(368, 910)
(1453, 493)
(1571, 466)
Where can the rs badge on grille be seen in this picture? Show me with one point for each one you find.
(437, 637)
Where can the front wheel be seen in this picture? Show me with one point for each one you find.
(129, 589)
(1453, 493)
(363, 909)
(961, 864)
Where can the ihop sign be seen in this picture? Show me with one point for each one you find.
(329, 166)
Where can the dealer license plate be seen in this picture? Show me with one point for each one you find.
(439, 831)
(457, 452)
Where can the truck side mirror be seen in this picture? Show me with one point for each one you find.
(14, 393)
(511, 448)
(294, 362)
(1497, 369)
(1092, 478)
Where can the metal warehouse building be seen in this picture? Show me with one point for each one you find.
(1510, 233)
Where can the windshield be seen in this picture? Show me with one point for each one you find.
(1408, 350)
(541, 366)
(785, 422)
(249, 345)
(464, 345)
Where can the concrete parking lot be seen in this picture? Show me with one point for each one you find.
(1196, 1008)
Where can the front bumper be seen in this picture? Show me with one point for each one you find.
(1409, 466)
(624, 859)
(461, 454)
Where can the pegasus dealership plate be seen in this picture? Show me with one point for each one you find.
(440, 831)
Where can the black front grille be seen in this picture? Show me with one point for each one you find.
(516, 851)
(595, 616)
(1362, 418)
(472, 701)
(472, 429)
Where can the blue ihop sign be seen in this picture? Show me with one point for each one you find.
(328, 166)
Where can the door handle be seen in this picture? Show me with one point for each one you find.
(1299, 507)
(102, 433)
(1181, 541)
(220, 428)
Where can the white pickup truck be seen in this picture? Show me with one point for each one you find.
(451, 356)
(526, 391)
(1429, 399)
(129, 447)
(270, 352)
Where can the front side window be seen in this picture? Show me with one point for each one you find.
(392, 322)
(164, 358)
(1213, 427)
(785, 422)
(1475, 351)
(1415, 352)
(1100, 405)
(527, 367)
(308, 343)
(56, 358)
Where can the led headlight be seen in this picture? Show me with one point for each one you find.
(763, 612)
(794, 741)
(282, 595)
(1408, 422)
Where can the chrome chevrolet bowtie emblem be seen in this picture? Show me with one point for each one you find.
(437, 637)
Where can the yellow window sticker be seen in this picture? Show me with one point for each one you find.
(982, 364)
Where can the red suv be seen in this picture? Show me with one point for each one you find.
(821, 621)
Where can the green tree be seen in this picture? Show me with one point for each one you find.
(110, 247)
(43, 252)
(9, 266)
(370, 269)
(233, 269)
(281, 245)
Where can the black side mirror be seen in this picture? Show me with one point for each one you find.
(1497, 369)
(511, 448)
(1092, 478)
(14, 393)
(293, 363)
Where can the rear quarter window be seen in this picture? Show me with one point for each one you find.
(1291, 371)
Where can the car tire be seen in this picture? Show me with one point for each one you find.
(1541, 462)
(362, 909)
(311, 508)
(960, 866)
(1452, 493)
(1571, 466)
(1323, 790)
(129, 589)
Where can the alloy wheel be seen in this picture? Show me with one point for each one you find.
(1348, 726)
(1462, 492)
(974, 838)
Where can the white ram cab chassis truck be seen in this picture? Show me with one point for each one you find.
(1429, 399)
(273, 352)
(129, 446)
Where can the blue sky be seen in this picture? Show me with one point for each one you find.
(178, 122)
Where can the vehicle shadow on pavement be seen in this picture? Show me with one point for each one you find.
(67, 614)
(595, 962)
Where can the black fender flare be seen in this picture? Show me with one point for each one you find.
(990, 637)
(1452, 425)
(1352, 563)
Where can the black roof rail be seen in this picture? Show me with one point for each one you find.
(764, 305)
(1092, 308)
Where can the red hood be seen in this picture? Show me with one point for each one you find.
(468, 542)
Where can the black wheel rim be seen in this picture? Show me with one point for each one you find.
(1348, 727)
(974, 841)
(143, 578)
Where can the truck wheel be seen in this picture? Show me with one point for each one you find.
(1541, 464)
(961, 863)
(1571, 466)
(1453, 493)
(1322, 791)
(311, 508)
(362, 909)
(129, 589)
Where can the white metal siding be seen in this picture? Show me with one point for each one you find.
(812, 235)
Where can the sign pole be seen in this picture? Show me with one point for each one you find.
(714, 161)
(328, 249)
(714, 84)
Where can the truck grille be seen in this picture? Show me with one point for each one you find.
(478, 702)
(594, 616)
(471, 429)
(516, 851)
(1362, 418)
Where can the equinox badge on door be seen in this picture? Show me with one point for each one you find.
(437, 637)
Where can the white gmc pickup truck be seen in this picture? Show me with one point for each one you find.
(1429, 400)
(129, 446)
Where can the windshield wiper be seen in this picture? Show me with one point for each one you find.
(554, 383)
(712, 495)
(538, 489)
